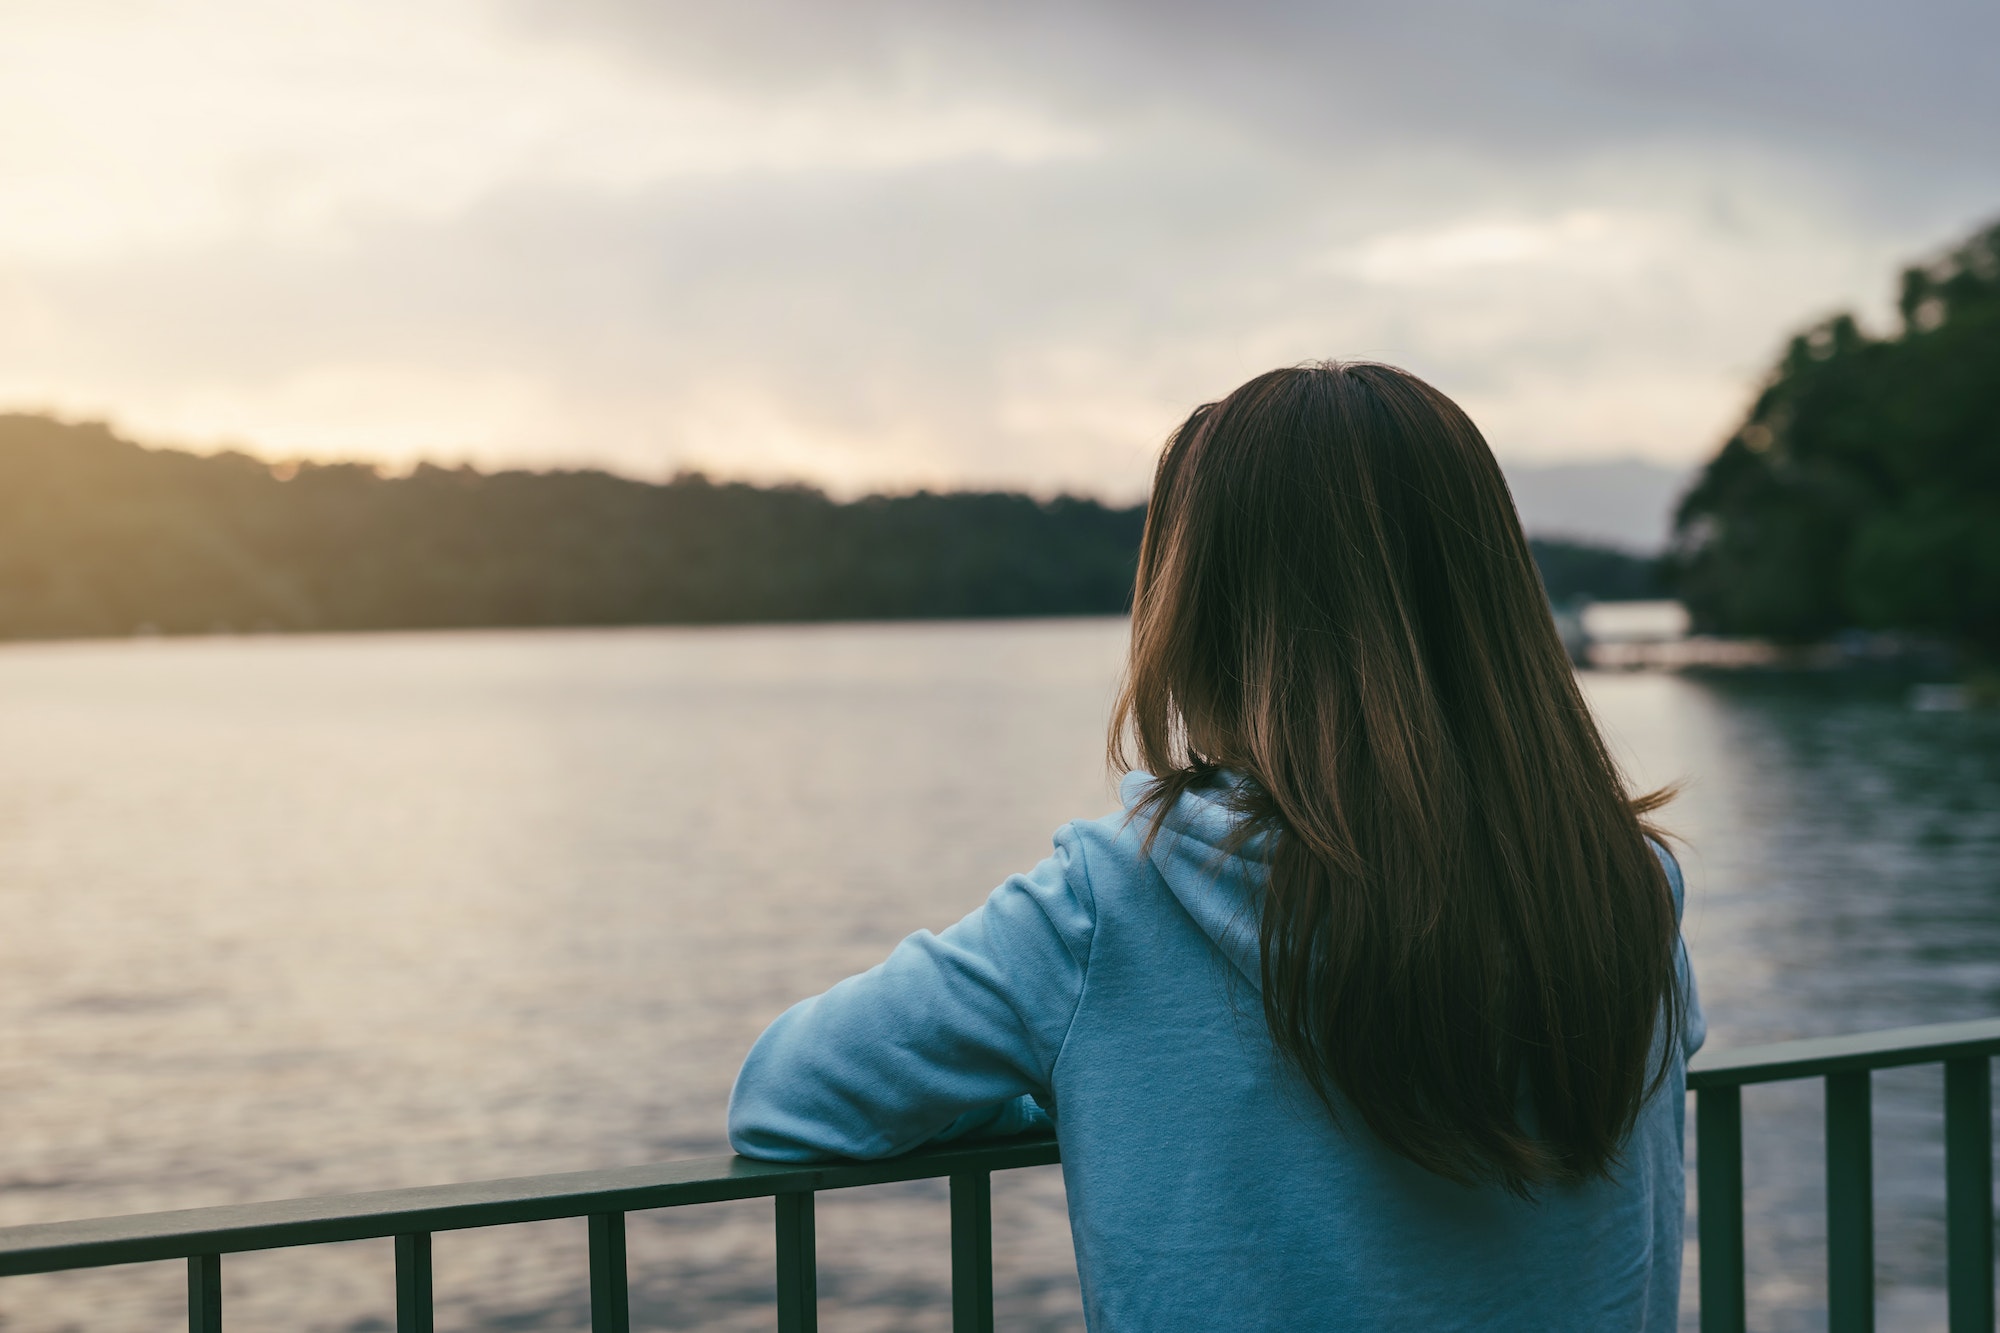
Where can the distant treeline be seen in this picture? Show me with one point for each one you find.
(1584, 572)
(99, 536)
(1863, 489)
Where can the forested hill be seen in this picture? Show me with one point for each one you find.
(1863, 488)
(99, 536)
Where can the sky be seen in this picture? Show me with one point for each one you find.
(887, 244)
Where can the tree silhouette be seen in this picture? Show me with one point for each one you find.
(1863, 489)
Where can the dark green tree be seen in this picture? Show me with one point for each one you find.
(1863, 489)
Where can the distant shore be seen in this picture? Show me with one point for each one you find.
(103, 537)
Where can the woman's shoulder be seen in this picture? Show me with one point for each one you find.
(1102, 860)
(1103, 850)
(1672, 865)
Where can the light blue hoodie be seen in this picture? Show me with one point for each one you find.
(1207, 1190)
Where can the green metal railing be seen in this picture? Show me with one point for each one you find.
(201, 1236)
(1965, 1050)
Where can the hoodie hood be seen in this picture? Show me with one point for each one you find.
(1220, 890)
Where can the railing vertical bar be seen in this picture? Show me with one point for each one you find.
(972, 1252)
(413, 1283)
(798, 1269)
(1718, 1129)
(205, 1293)
(1968, 1192)
(1850, 1204)
(610, 1301)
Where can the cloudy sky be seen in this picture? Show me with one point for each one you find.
(881, 243)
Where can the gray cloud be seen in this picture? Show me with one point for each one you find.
(1592, 223)
(1891, 86)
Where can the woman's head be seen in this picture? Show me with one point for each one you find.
(1335, 600)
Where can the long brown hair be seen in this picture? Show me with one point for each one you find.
(1465, 937)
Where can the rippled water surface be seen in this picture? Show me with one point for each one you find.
(291, 916)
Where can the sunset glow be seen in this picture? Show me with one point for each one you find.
(878, 247)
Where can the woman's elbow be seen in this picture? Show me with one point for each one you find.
(760, 1127)
(749, 1139)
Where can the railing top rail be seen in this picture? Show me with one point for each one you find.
(49, 1247)
(1817, 1056)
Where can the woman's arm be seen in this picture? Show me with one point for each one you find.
(942, 1039)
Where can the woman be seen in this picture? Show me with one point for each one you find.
(1368, 1010)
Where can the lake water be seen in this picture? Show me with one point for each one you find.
(287, 916)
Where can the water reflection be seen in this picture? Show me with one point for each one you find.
(1843, 851)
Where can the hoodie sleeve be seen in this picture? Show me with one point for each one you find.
(1694, 1024)
(946, 1037)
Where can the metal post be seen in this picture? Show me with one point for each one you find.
(1850, 1205)
(1718, 1149)
(1968, 1192)
(610, 1302)
(798, 1275)
(972, 1252)
(205, 1293)
(413, 1283)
